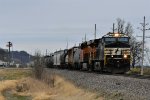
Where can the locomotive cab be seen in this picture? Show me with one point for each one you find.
(116, 52)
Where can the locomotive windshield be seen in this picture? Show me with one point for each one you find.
(123, 39)
(110, 40)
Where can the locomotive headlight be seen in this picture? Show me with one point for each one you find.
(125, 56)
(116, 35)
(112, 56)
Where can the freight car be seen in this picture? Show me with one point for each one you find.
(73, 58)
(56, 59)
(49, 61)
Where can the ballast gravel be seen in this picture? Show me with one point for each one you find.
(112, 87)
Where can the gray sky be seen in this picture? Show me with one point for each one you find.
(48, 24)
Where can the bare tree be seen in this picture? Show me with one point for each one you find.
(135, 45)
(129, 30)
(122, 27)
(136, 52)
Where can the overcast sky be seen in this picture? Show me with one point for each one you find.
(49, 24)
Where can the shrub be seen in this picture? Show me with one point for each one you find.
(38, 67)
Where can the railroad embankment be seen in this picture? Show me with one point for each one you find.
(111, 87)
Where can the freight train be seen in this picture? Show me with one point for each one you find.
(110, 53)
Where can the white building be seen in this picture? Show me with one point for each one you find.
(2, 63)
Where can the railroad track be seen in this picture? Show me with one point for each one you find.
(138, 76)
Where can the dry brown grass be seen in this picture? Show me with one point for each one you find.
(9, 79)
(37, 89)
(42, 90)
(63, 90)
(67, 91)
(5, 85)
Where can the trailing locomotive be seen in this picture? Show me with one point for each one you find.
(90, 54)
(110, 53)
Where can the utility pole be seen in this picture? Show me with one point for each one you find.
(143, 29)
(67, 44)
(85, 38)
(95, 32)
(46, 52)
(113, 28)
(9, 55)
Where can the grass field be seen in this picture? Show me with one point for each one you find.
(13, 74)
(137, 71)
